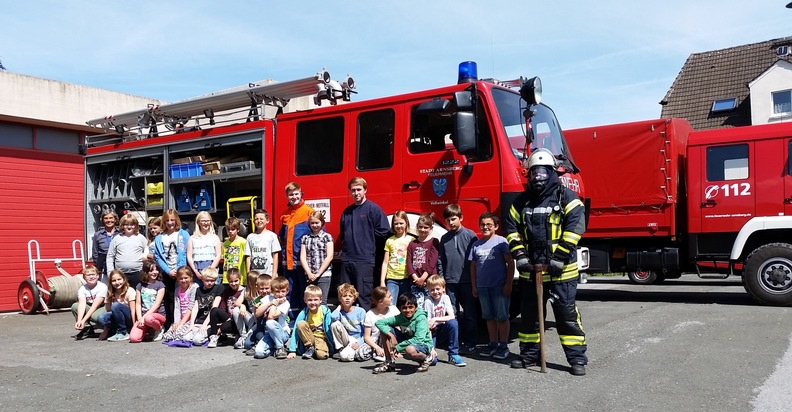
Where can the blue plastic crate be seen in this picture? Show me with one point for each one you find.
(186, 170)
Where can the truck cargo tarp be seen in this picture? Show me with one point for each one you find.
(631, 168)
(627, 164)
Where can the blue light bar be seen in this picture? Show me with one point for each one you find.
(468, 72)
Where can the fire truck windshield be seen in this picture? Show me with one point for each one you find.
(546, 131)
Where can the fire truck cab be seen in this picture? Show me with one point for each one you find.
(740, 205)
(419, 152)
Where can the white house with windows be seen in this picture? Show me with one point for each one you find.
(771, 94)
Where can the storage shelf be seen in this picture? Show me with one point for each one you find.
(220, 176)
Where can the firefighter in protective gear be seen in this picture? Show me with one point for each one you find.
(543, 227)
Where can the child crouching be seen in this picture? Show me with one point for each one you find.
(415, 341)
(311, 336)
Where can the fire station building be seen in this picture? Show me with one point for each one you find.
(42, 173)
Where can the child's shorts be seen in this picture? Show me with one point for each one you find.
(493, 304)
(422, 349)
(402, 337)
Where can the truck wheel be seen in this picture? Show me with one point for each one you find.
(767, 276)
(643, 277)
(28, 297)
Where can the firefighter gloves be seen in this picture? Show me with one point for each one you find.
(523, 265)
(555, 268)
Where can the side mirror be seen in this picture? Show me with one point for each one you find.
(464, 100)
(465, 133)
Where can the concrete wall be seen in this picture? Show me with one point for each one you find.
(51, 100)
(778, 77)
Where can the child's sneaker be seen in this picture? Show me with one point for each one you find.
(250, 352)
(456, 360)
(309, 352)
(489, 350)
(81, 334)
(240, 343)
(118, 337)
(501, 353)
(213, 341)
(281, 353)
(158, 337)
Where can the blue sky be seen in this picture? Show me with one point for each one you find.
(600, 62)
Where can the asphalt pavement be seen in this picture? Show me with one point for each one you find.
(688, 344)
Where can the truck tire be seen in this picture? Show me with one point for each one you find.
(643, 277)
(767, 276)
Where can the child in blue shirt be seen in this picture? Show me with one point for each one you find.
(347, 326)
(491, 279)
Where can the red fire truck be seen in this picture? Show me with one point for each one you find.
(667, 199)
(419, 152)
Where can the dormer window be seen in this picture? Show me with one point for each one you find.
(782, 102)
(724, 105)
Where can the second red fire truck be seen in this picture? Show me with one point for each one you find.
(667, 199)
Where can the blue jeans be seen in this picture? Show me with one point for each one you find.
(447, 331)
(464, 305)
(397, 287)
(119, 318)
(255, 334)
(274, 338)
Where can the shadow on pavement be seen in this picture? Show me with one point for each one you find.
(667, 295)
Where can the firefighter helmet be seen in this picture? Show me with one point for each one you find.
(541, 164)
(541, 157)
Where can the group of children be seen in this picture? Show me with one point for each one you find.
(430, 280)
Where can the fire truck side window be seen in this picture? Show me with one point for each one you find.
(375, 139)
(320, 146)
(430, 132)
(727, 162)
(434, 132)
